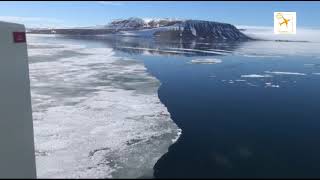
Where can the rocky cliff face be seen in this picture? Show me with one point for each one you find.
(195, 29)
(211, 30)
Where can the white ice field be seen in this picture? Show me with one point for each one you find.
(95, 115)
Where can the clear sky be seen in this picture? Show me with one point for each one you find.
(37, 14)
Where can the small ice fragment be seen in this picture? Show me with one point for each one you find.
(269, 84)
(205, 61)
(251, 84)
(240, 80)
(255, 76)
(285, 73)
(309, 64)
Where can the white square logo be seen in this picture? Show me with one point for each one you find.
(285, 23)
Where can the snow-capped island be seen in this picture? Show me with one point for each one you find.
(164, 28)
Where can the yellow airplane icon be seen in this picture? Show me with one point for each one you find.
(285, 21)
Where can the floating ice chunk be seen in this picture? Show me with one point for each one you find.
(177, 137)
(269, 84)
(316, 73)
(257, 56)
(285, 73)
(155, 50)
(256, 76)
(202, 51)
(251, 84)
(206, 61)
(218, 50)
(48, 49)
(309, 64)
(240, 80)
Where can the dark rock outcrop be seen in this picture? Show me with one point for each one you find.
(196, 29)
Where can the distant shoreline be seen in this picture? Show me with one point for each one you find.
(97, 32)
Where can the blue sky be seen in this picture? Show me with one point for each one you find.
(37, 14)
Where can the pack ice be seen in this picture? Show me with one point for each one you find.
(96, 115)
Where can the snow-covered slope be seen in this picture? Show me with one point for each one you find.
(127, 24)
(172, 28)
(134, 23)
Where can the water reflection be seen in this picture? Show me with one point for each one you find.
(165, 47)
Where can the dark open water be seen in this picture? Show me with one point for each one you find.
(255, 114)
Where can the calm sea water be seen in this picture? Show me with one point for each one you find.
(254, 114)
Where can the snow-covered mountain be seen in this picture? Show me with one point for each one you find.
(156, 22)
(159, 27)
(172, 28)
(134, 23)
(127, 24)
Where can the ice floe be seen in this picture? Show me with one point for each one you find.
(251, 84)
(240, 80)
(285, 73)
(256, 76)
(257, 56)
(96, 115)
(206, 61)
(269, 84)
(309, 64)
(156, 50)
(215, 52)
